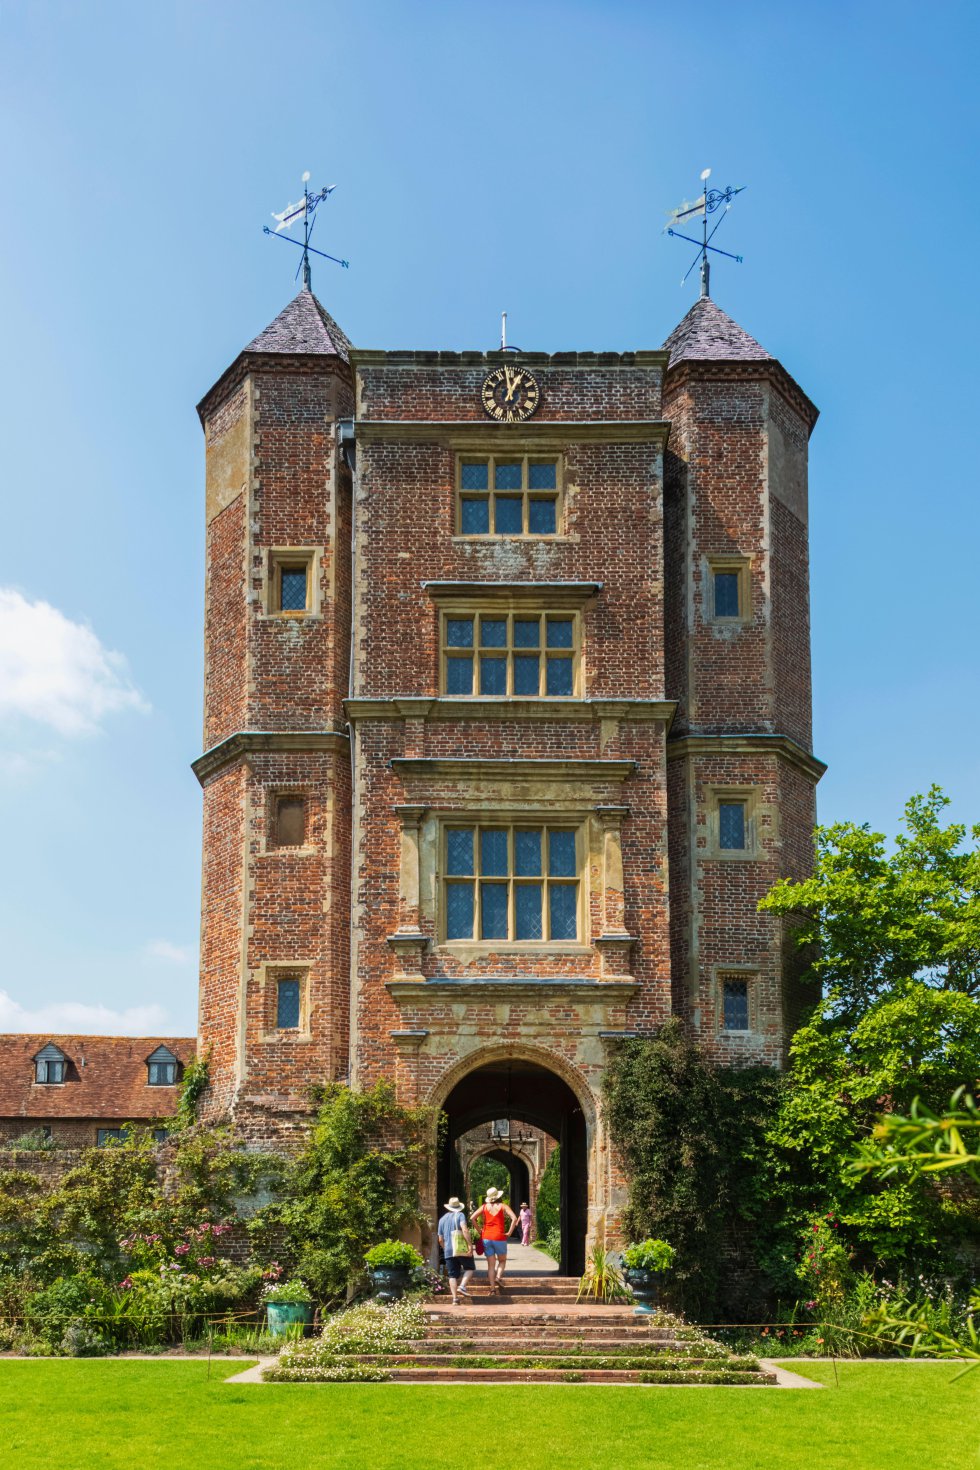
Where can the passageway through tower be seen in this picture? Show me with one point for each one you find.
(519, 1091)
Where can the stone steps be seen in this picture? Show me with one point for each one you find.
(655, 1362)
(577, 1375)
(593, 1346)
(540, 1334)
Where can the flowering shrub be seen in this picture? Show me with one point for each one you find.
(287, 1293)
(369, 1329)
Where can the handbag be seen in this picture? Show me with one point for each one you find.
(460, 1247)
(478, 1246)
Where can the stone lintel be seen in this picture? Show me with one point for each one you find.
(558, 594)
(615, 992)
(463, 708)
(537, 434)
(477, 768)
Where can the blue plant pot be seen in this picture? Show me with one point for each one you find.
(645, 1286)
(390, 1285)
(280, 1316)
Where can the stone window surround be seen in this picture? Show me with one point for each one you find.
(601, 864)
(742, 566)
(716, 796)
(511, 822)
(721, 973)
(269, 976)
(274, 559)
(272, 848)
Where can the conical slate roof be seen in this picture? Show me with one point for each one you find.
(303, 327)
(708, 334)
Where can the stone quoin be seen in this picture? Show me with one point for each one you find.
(507, 726)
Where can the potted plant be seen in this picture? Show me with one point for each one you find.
(390, 1266)
(287, 1304)
(602, 1279)
(645, 1265)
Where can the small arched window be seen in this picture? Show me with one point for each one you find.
(50, 1065)
(161, 1068)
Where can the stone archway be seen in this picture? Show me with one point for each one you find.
(528, 1085)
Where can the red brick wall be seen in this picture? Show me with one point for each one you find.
(736, 486)
(222, 920)
(263, 905)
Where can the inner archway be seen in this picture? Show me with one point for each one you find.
(529, 1092)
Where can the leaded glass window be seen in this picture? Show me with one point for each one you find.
(508, 496)
(522, 655)
(511, 883)
(735, 1003)
(731, 826)
(287, 1004)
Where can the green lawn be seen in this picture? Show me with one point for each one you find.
(120, 1413)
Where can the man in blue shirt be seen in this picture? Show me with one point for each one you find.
(457, 1247)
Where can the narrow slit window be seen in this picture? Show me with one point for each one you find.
(287, 1004)
(735, 1004)
(293, 580)
(727, 599)
(731, 826)
(289, 829)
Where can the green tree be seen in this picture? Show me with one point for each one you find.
(871, 918)
(355, 1184)
(548, 1209)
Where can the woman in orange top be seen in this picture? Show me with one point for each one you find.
(492, 1217)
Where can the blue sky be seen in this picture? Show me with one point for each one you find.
(485, 157)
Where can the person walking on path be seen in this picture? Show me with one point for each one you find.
(494, 1229)
(457, 1247)
(525, 1219)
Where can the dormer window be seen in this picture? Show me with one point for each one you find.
(161, 1068)
(50, 1066)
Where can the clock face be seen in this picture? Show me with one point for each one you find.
(510, 394)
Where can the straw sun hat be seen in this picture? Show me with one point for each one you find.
(493, 1195)
(455, 1204)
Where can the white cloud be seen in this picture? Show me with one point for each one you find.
(73, 1017)
(56, 672)
(174, 954)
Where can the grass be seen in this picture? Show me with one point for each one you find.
(118, 1413)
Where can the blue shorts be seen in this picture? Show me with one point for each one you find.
(495, 1247)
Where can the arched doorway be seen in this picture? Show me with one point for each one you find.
(529, 1091)
(518, 1175)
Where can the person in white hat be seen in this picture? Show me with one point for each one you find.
(492, 1228)
(457, 1247)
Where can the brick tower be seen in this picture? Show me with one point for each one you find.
(518, 795)
(275, 948)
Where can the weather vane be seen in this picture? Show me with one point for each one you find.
(305, 210)
(710, 200)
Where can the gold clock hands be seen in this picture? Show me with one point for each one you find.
(515, 383)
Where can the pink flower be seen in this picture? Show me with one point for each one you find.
(207, 1260)
(181, 1250)
(126, 1283)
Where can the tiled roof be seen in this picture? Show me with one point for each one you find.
(106, 1077)
(303, 327)
(708, 334)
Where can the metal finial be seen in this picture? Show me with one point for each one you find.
(708, 201)
(305, 211)
(503, 331)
